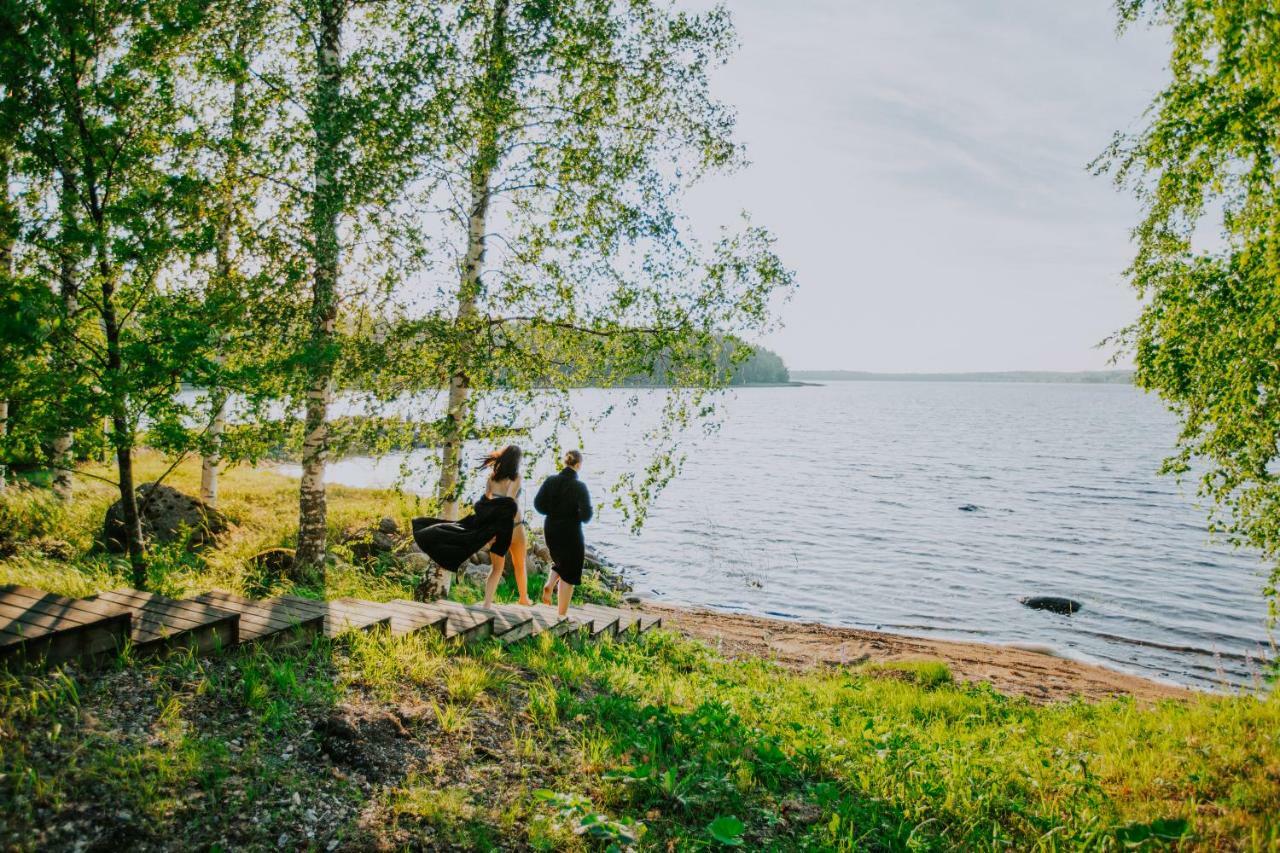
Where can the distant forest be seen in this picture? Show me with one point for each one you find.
(738, 363)
(1098, 377)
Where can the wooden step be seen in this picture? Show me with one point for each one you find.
(37, 627)
(462, 623)
(505, 619)
(594, 625)
(160, 622)
(624, 620)
(544, 622)
(405, 617)
(264, 620)
(511, 622)
(628, 620)
(338, 616)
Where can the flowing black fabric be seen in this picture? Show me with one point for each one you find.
(451, 543)
(566, 503)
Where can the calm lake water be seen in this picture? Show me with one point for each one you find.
(931, 509)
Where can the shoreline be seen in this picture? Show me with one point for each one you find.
(1013, 671)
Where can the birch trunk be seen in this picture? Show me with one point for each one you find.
(4, 430)
(326, 203)
(459, 383)
(121, 430)
(6, 269)
(222, 279)
(68, 292)
(482, 168)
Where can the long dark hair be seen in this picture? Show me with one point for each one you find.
(504, 463)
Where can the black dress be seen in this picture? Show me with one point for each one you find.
(451, 543)
(566, 503)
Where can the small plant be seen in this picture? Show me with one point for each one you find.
(727, 830)
(580, 814)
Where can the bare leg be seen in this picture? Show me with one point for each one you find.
(550, 586)
(564, 597)
(495, 577)
(518, 545)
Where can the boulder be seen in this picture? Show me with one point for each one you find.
(432, 581)
(1053, 603)
(265, 569)
(167, 516)
(388, 526)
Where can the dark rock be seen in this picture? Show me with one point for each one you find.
(267, 568)
(970, 508)
(430, 580)
(363, 739)
(388, 526)
(167, 516)
(1054, 604)
(632, 599)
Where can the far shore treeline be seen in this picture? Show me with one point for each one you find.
(1085, 377)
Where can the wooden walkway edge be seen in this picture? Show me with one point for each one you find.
(39, 628)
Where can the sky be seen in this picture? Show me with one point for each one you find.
(923, 164)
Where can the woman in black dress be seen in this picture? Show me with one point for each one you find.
(566, 503)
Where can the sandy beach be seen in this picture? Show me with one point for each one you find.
(1012, 671)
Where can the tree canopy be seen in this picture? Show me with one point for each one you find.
(1206, 168)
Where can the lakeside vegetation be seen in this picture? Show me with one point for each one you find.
(569, 745)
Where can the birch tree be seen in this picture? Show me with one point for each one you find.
(578, 127)
(96, 113)
(353, 119)
(1207, 261)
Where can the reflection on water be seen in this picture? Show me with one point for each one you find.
(931, 508)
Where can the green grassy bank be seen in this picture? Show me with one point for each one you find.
(370, 742)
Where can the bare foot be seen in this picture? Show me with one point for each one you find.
(524, 602)
(546, 595)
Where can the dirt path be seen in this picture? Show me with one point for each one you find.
(1016, 672)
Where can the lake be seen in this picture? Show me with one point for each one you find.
(931, 508)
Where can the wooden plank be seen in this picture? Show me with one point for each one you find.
(463, 623)
(47, 613)
(179, 610)
(339, 617)
(458, 622)
(405, 620)
(648, 623)
(628, 620)
(263, 620)
(594, 624)
(40, 628)
(161, 622)
(21, 622)
(508, 618)
(26, 596)
(505, 619)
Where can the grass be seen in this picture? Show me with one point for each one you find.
(552, 744)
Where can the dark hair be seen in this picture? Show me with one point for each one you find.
(504, 463)
(573, 457)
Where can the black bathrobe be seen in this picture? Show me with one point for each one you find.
(451, 543)
(566, 503)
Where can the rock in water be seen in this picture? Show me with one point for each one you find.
(970, 508)
(167, 516)
(1054, 604)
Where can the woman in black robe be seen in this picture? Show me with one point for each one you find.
(495, 522)
(566, 503)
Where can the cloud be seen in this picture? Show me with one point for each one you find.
(928, 157)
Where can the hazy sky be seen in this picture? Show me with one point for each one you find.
(923, 163)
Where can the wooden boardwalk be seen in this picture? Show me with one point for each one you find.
(39, 628)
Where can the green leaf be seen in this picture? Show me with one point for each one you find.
(727, 830)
